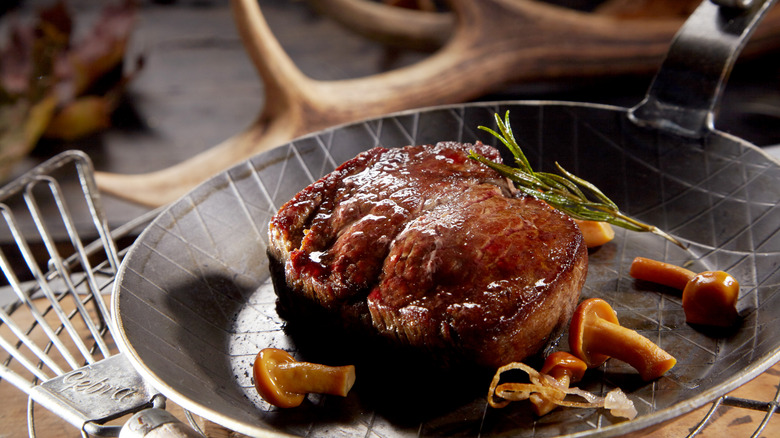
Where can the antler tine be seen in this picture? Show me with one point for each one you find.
(392, 26)
(494, 42)
(424, 30)
(647, 8)
(279, 121)
(295, 105)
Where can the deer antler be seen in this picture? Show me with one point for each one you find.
(392, 26)
(494, 42)
(426, 30)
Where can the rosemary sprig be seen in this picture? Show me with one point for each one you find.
(566, 192)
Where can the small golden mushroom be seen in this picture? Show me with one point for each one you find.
(284, 382)
(563, 367)
(666, 274)
(595, 233)
(708, 298)
(595, 335)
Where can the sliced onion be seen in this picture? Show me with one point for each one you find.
(549, 388)
(619, 404)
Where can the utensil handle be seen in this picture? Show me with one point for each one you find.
(684, 95)
(156, 423)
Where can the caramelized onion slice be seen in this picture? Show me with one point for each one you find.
(501, 394)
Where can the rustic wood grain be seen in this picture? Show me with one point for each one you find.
(727, 421)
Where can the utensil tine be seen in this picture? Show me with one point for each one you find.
(24, 297)
(59, 265)
(29, 343)
(74, 374)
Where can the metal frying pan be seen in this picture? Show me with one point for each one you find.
(193, 301)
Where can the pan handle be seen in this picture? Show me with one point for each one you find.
(685, 93)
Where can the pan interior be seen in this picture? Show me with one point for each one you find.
(194, 302)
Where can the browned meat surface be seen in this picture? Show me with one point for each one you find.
(431, 249)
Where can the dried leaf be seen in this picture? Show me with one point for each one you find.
(80, 118)
(46, 78)
(21, 126)
(100, 53)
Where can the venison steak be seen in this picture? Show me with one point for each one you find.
(430, 249)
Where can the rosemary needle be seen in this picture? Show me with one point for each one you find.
(566, 192)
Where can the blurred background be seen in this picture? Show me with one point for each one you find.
(171, 79)
(187, 83)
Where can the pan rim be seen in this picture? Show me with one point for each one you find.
(643, 422)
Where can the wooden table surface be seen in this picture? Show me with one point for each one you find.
(198, 88)
(727, 421)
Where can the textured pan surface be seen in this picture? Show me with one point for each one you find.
(194, 303)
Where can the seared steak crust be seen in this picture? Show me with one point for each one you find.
(433, 250)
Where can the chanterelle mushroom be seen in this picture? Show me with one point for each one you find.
(708, 298)
(284, 382)
(595, 335)
(565, 368)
